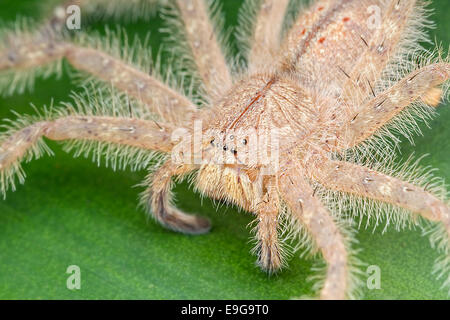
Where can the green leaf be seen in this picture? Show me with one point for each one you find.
(70, 212)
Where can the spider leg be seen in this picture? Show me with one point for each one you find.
(266, 32)
(205, 47)
(162, 100)
(328, 238)
(30, 52)
(381, 109)
(268, 247)
(26, 142)
(157, 197)
(362, 181)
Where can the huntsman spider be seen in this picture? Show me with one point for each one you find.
(299, 130)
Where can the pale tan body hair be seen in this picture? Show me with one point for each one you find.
(323, 104)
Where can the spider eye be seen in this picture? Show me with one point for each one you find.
(244, 141)
(225, 148)
(212, 141)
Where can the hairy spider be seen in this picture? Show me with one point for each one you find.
(299, 134)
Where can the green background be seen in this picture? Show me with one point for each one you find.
(70, 212)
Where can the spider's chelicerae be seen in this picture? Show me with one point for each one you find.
(299, 129)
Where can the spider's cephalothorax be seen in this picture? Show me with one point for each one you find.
(299, 132)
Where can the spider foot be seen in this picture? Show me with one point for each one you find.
(270, 258)
(178, 221)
